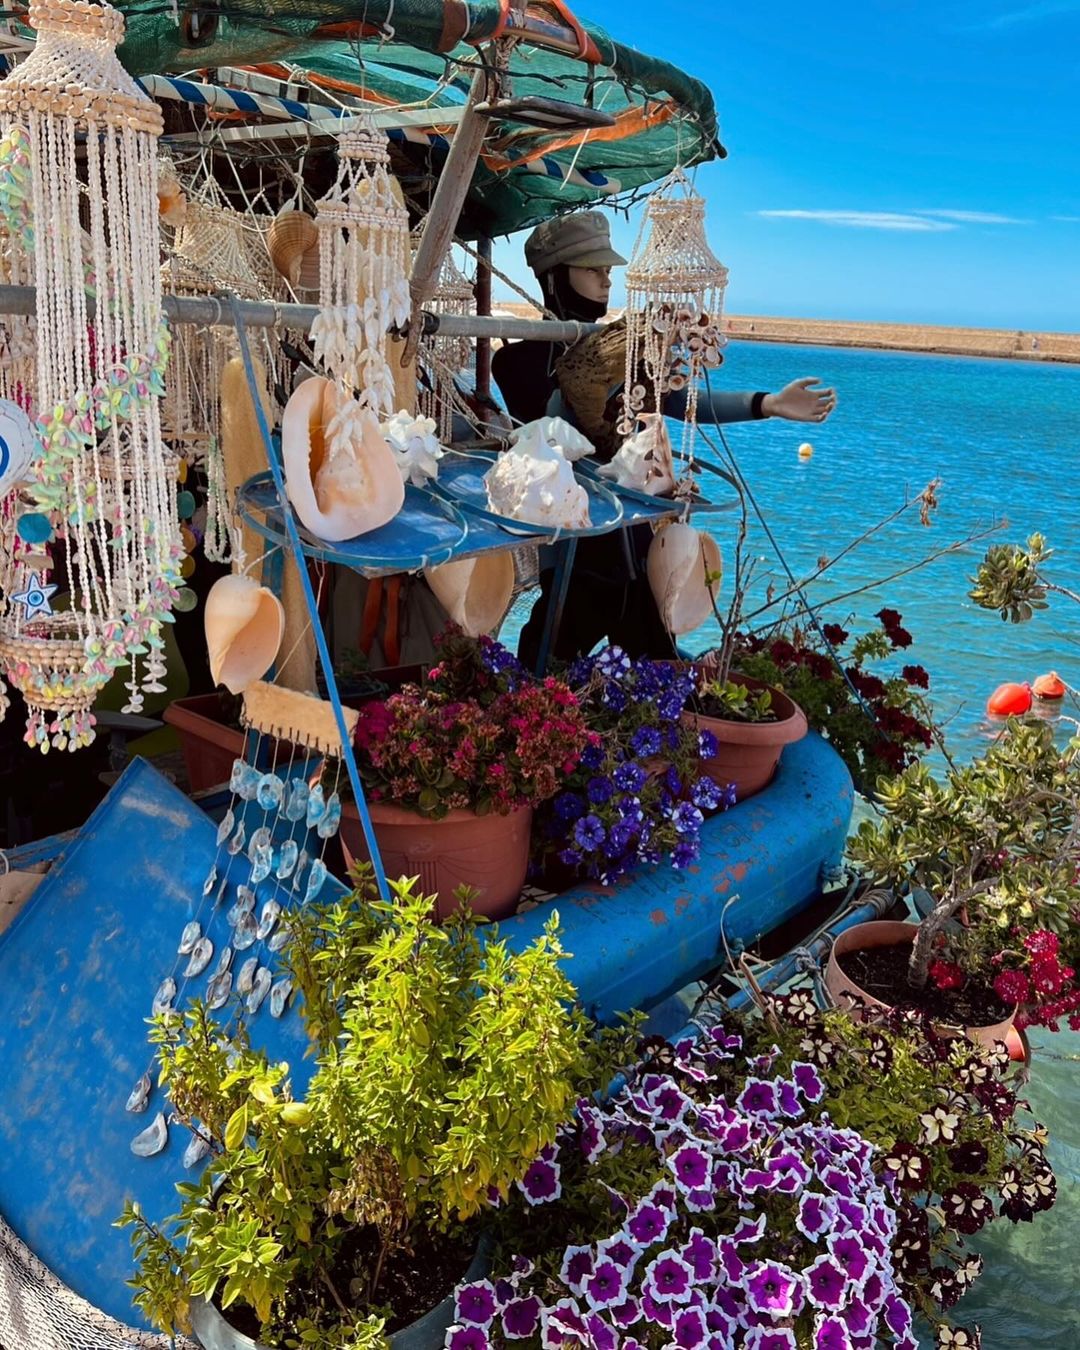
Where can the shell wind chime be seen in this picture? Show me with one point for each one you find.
(674, 299)
(90, 571)
(445, 357)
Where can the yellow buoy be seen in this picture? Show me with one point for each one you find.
(805, 450)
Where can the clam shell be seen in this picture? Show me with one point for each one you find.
(293, 244)
(201, 956)
(679, 557)
(153, 1139)
(139, 1095)
(197, 1149)
(244, 624)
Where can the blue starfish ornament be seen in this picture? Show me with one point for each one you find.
(35, 597)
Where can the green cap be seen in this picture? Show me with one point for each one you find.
(580, 240)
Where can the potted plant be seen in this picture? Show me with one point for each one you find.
(640, 791)
(453, 769)
(711, 1202)
(997, 840)
(444, 1065)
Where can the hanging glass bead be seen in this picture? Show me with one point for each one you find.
(269, 792)
(295, 800)
(316, 877)
(316, 806)
(287, 859)
(331, 818)
(225, 828)
(236, 843)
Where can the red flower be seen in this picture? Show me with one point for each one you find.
(835, 635)
(947, 975)
(1042, 942)
(1011, 986)
(899, 637)
(890, 618)
(915, 675)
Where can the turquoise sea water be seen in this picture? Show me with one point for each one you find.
(1004, 439)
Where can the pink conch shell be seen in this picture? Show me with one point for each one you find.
(679, 557)
(645, 461)
(340, 474)
(244, 624)
(475, 592)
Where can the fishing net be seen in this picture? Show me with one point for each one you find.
(38, 1312)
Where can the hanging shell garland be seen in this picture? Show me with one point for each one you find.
(340, 473)
(681, 560)
(534, 482)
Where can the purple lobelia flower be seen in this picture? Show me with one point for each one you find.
(669, 1278)
(577, 1266)
(605, 1286)
(691, 1167)
(541, 1184)
(826, 1283)
(466, 1338)
(648, 1224)
(689, 1331)
(759, 1098)
(830, 1333)
(850, 1254)
(700, 1252)
(808, 1081)
(816, 1215)
(520, 1318)
(770, 1288)
(475, 1304)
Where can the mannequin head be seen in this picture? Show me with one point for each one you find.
(592, 283)
(572, 258)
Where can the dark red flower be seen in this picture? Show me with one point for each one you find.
(947, 975)
(915, 675)
(899, 637)
(835, 635)
(890, 618)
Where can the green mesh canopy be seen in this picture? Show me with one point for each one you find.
(664, 117)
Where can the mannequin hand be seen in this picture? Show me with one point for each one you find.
(798, 402)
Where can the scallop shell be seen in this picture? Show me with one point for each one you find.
(475, 592)
(644, 462)
(244, 623)
(293, 244)
(341, 476)
(679, 557)
(534, 482)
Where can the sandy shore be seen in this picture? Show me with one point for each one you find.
(1019, 344)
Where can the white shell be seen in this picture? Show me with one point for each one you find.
(679, 557)
(558, 432)
(475, 592)
(415, 447)
(534, 482)
(244, 624)
(645, 461)
(340, 473)
(18, 445)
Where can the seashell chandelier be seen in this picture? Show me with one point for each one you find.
(674, 300)
(91, 572)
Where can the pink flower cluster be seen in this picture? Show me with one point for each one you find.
(1043, 984)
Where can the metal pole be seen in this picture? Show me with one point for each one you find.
(482, 291)
(211, 311)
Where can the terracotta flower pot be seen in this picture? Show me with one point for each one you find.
(488, 852)
(208, 745)
(748, 752)
(889, 933)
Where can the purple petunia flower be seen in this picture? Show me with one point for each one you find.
(466, 1338)
(648, 1224)
(568, 806)
(599, 790)
(683, 854)
(689, 1329)
(808, 1081)
(645, 741)
(826, 1283)
(577, 1266)
(687, 818)
(705, 794)
(831, 1334)
(605, 1286)
(758, 1098)
(562, 1323)
(475, 1303)
(873, 1290)
(759, 1179)
(787, 1098)
(691, 1167)
(541, 1184)
(601, 1333)
(732, 1264)
(668, 1103)
(625, 1314)
(700, 1252)
(770, 1338)
(838, 1181)
(520, 1318)
(619, 1250)
(589, 832)
(851, 1216)
(897, 1314)
(736, 1137)
(849, 1253)
(630, 777)
(707, 745)
(701, 1201)
(770, 1288)
(792, 1171)
(859, 1319)
(663, 1314)
(748, 1231)
(816, 1215)
(669, 1278)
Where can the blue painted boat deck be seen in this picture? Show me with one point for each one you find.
(81, 963)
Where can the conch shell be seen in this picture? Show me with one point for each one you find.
(645, 462)
(172, 203)
(244, 623)
(679, 557)
(340, 473)
(293, 244)
(415, 447)
(559, 433)
(475, 592)
(534, 482)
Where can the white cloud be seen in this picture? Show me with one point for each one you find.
(866, 220)
(975, 217)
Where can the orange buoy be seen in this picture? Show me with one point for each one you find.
(1050, 686)
(1009, 700)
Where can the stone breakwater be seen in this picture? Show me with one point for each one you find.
(1018, 344)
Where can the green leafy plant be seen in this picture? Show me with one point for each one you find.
(734, 701)
(1010, 579)
(445, 1064)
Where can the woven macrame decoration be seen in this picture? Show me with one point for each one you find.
(674, 299)
(363, 271)
(445, 357)
(95, 574)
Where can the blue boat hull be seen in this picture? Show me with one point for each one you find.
(79, 967)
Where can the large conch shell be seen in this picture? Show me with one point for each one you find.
(293, 244)
(645, 462)
(475, 592)
(244, 623)
(557, 432)
(534, 482)
(340, 474)
(679, 557)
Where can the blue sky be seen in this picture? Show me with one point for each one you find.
(906, 161)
